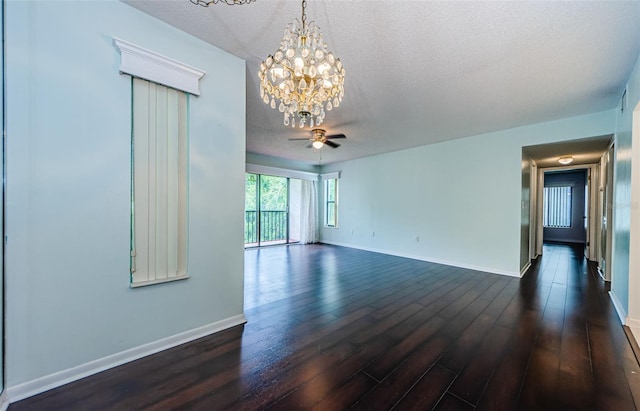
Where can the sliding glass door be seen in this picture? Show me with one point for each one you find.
(274, 205)
(266, 210)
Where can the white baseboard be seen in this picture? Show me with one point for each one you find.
(635, 332)
(525, 268)
(622, 314)
(4, 401)
(429, 259)
(633, 323)
(47, 382)
(634, 326)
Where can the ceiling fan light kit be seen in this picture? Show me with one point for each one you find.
(303, 78)
(320, 139)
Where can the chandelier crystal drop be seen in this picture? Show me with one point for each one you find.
(303, 79)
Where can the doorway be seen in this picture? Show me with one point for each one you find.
(268, 220)
(586, 156)
(565, 206)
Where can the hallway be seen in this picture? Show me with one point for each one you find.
(333, 328)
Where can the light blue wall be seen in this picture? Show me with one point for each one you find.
(622, 193)
(462, 198)
(68, 194)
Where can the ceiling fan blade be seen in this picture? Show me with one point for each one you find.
(299, 139)
(336, 136)
(332, 144)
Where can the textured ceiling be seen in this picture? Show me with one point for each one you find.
(420, 72)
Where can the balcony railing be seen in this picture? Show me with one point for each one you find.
(273, 226)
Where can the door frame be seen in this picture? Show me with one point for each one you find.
(533, 214)
(537, 204)
(605, 210)
(259, 242)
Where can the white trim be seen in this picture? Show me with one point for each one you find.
(161, 281)
(632, 323)
(330, 176)
(4, 401)
(635, 332)
(42, 384)
(622, 314)
(149, 65)
(533, 203)
(634, 326)
(633, 282)
(601, 273)
(429, 259)
(280, 172)
(525, 268)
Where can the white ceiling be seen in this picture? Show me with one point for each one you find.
(420, 72)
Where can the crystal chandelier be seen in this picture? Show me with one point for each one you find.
(303, 75)
(207, 3)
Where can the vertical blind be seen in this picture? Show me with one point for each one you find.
(557, 207)
(159, 204)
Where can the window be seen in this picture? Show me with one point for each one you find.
(331, 202)
(267, 217)
(557, 207)
(159, 184)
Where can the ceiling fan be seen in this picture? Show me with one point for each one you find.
(319, 139)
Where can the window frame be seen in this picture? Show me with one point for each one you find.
(328, 203)
(566, 190)
(144, 64)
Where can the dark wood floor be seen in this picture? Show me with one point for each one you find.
(333, 328)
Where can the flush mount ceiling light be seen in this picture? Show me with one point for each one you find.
(303, 75)
(207, 3)
(565, 160)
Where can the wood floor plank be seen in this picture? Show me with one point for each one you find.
(465, 345)
(280, 380)
(428, 391)
(541, 383)
(366, 335)
(575, 378)
(395, 356)
(332, 379)
(503, 389)
(389, 391)
(452, 403)
(346, 395)
(613, 390)
(471, 382)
